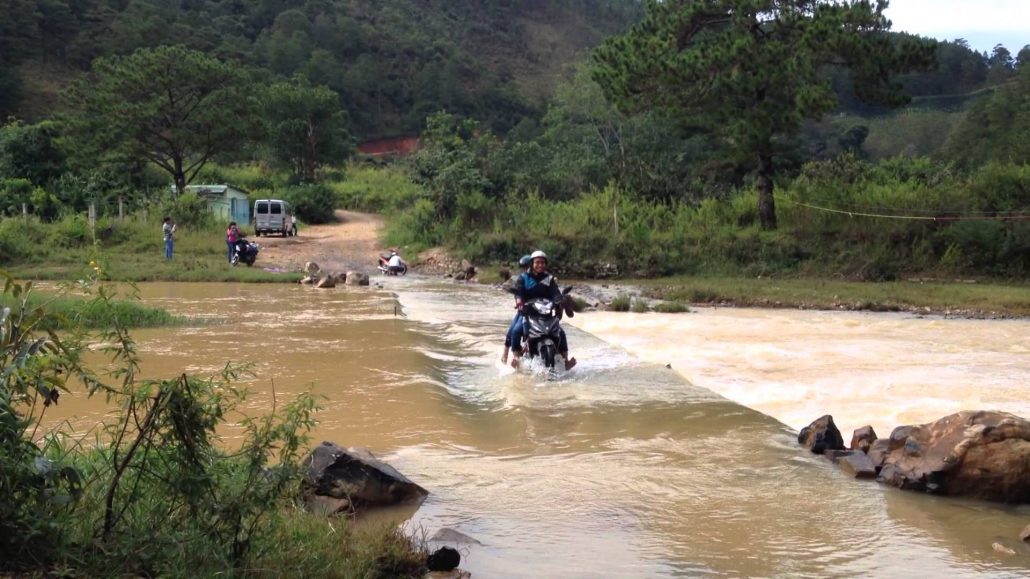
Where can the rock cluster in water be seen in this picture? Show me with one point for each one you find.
(326, 279)
(977, 454)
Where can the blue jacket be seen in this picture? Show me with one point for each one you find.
(528, 287)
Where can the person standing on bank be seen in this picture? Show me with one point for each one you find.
(232, 235)
(168, 228)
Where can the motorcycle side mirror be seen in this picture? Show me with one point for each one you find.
(567, 290)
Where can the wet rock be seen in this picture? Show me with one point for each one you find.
(878, 452)
(863, 438)
(984, 455)
(311, 268)
(899, 436)
(821, 435)
(448, 535)
(858, 465)
(443, 559)
(835, 455)
(309, 280)
(1024, 535)
(356, 278)
(468, 273)
(999, 548)
(341, 479)
(326, 282)
(455, 574)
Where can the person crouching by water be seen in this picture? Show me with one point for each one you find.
(232, 235)
(168, 228)
(395, 263)
(538, 283)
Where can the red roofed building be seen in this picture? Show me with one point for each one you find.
(392, 147)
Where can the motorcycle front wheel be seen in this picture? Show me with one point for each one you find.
(547, 352)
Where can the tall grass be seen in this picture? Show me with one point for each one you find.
(835, 220)
(70, 312)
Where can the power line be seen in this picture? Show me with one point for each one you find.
(849, 213)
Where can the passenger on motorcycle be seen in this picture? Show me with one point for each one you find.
(515, 328)
(538, 283)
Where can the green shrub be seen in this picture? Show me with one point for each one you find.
(71, 231)
(639, 306)
(314, 203)
(187, 210)
(620, 303)
(22, 239)
(670, 308)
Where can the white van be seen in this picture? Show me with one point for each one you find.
(273, 216)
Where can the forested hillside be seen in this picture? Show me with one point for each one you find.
(635, 133)
(391, 61)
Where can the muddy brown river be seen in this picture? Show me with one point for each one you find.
(623, 467)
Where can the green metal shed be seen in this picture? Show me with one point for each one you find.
(226, 201)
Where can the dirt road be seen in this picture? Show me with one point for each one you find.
(350, 244)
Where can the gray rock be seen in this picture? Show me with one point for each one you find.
(835, 456)
(341, 479)
(356, 278)
(1024, 535)
(326, 282)
(448, 535)
(878, 452)
(858, 465)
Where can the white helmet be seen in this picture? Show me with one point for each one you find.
(537, 254)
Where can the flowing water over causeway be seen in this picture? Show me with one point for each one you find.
(621, 468)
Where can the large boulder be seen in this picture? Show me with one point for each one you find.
(326, 282)
(348, 479)
(356, 278)
(821, 435)
(978, 454)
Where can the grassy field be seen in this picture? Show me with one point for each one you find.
(959, 298)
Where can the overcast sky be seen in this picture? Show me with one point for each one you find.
(983, 23)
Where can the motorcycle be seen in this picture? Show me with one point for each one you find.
(384, 266)
(542, 330)
(245, 251)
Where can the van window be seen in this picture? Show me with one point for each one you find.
(277, 208)
(262, 207)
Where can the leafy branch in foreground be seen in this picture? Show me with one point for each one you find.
(157, 493)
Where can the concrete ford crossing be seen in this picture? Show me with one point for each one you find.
(273, 216)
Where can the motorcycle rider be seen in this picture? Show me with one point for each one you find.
(538, 283)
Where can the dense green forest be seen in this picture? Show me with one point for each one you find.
(391, 61)
(575, 125)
